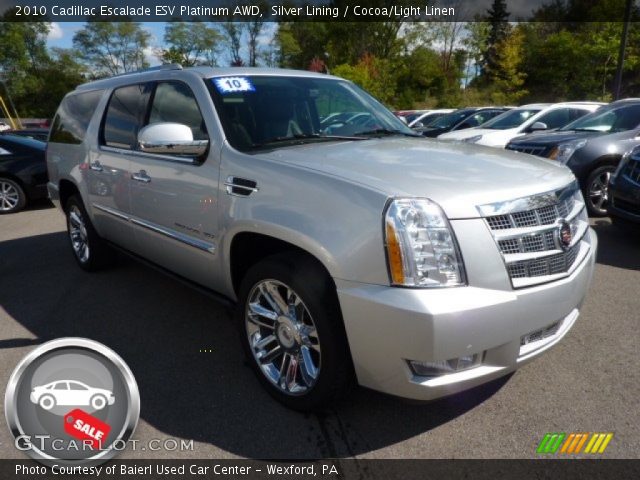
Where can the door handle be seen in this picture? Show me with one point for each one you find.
(240, 187)
(96, 166)
(141, 176)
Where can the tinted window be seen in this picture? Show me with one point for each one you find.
(175, 102)
(124, 116)
(614, 119)
(511, 119)
(560, 117)
(73, 117)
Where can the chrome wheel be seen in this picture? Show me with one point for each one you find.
(283, 337)
(78, 234)
(599, 191)
(9, 196)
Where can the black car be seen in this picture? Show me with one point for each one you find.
(41, 134)
(624, 191)
(460, 119)
(591, 147)
(23, 172)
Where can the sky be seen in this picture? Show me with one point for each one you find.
(61, 36)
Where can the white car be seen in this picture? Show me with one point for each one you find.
(4, 127)
(498, 131)
(71, 393)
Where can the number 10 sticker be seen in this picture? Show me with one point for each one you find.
(233, 84)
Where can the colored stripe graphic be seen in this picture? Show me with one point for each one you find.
(595, 443)
(551, 442)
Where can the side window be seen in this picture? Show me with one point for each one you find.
(73, 116)
(4, 151)
(124, 116)
(556, 118)
(76, 386)
(175, 102)
(60, 386)
(575, 114)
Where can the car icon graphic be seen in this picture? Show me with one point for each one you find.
(71, 392)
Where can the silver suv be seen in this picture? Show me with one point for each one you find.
(353, 248)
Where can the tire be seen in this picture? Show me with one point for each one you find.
(47, 402)
(98, 402)
(596, 190)
(89, 250)
(306, 365)
(12, 196)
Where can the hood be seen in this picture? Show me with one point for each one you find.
(458, 177)
(470, 132)
(553, 138)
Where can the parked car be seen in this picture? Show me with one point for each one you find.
(423, 119)
(591, 147)
(4, 127)
(461, 119)
(23, 172)
(367, 252)
(624, 191)
(520, 121)
(71, 393)
(41, 134)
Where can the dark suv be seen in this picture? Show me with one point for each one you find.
(624, 190)
(591, 146)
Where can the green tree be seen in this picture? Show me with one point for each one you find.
(111, 48)
(497, 17)
(375, 75)
(191, 44)
(232, 33)
(510, 79)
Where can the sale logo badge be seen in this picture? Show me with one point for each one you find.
(70, 400)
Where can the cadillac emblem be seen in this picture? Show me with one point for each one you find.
(564, 235)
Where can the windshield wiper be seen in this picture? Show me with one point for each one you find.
(299, 138)
(386, 131)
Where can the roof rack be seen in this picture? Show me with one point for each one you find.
(166, 66)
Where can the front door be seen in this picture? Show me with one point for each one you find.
(174, 198)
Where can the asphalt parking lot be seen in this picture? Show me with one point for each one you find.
(588, 383)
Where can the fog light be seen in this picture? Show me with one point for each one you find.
(443, 367)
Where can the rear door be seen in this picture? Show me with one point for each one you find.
(174, 198)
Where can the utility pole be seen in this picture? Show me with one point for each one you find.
(617, 84)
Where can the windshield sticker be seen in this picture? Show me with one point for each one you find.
(233, 85)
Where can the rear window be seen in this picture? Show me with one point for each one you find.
(72, 119)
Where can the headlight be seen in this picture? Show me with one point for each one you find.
(474, 139)
(563, 152)
(421, 247)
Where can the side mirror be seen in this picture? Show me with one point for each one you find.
(417, 125)
(168, 138)
(538, 126)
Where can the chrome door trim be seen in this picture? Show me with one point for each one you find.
(181, 237)
(153, 156)
(167, 232)
(112, 211)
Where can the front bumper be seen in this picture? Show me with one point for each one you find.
(387, 326)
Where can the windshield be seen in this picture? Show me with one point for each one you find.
(610, 120)
(450, 119)
(511, 119)
(261, 111)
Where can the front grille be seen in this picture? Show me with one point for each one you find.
(552, 265)
(632, 170)
(530, 149)
(528, 234)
